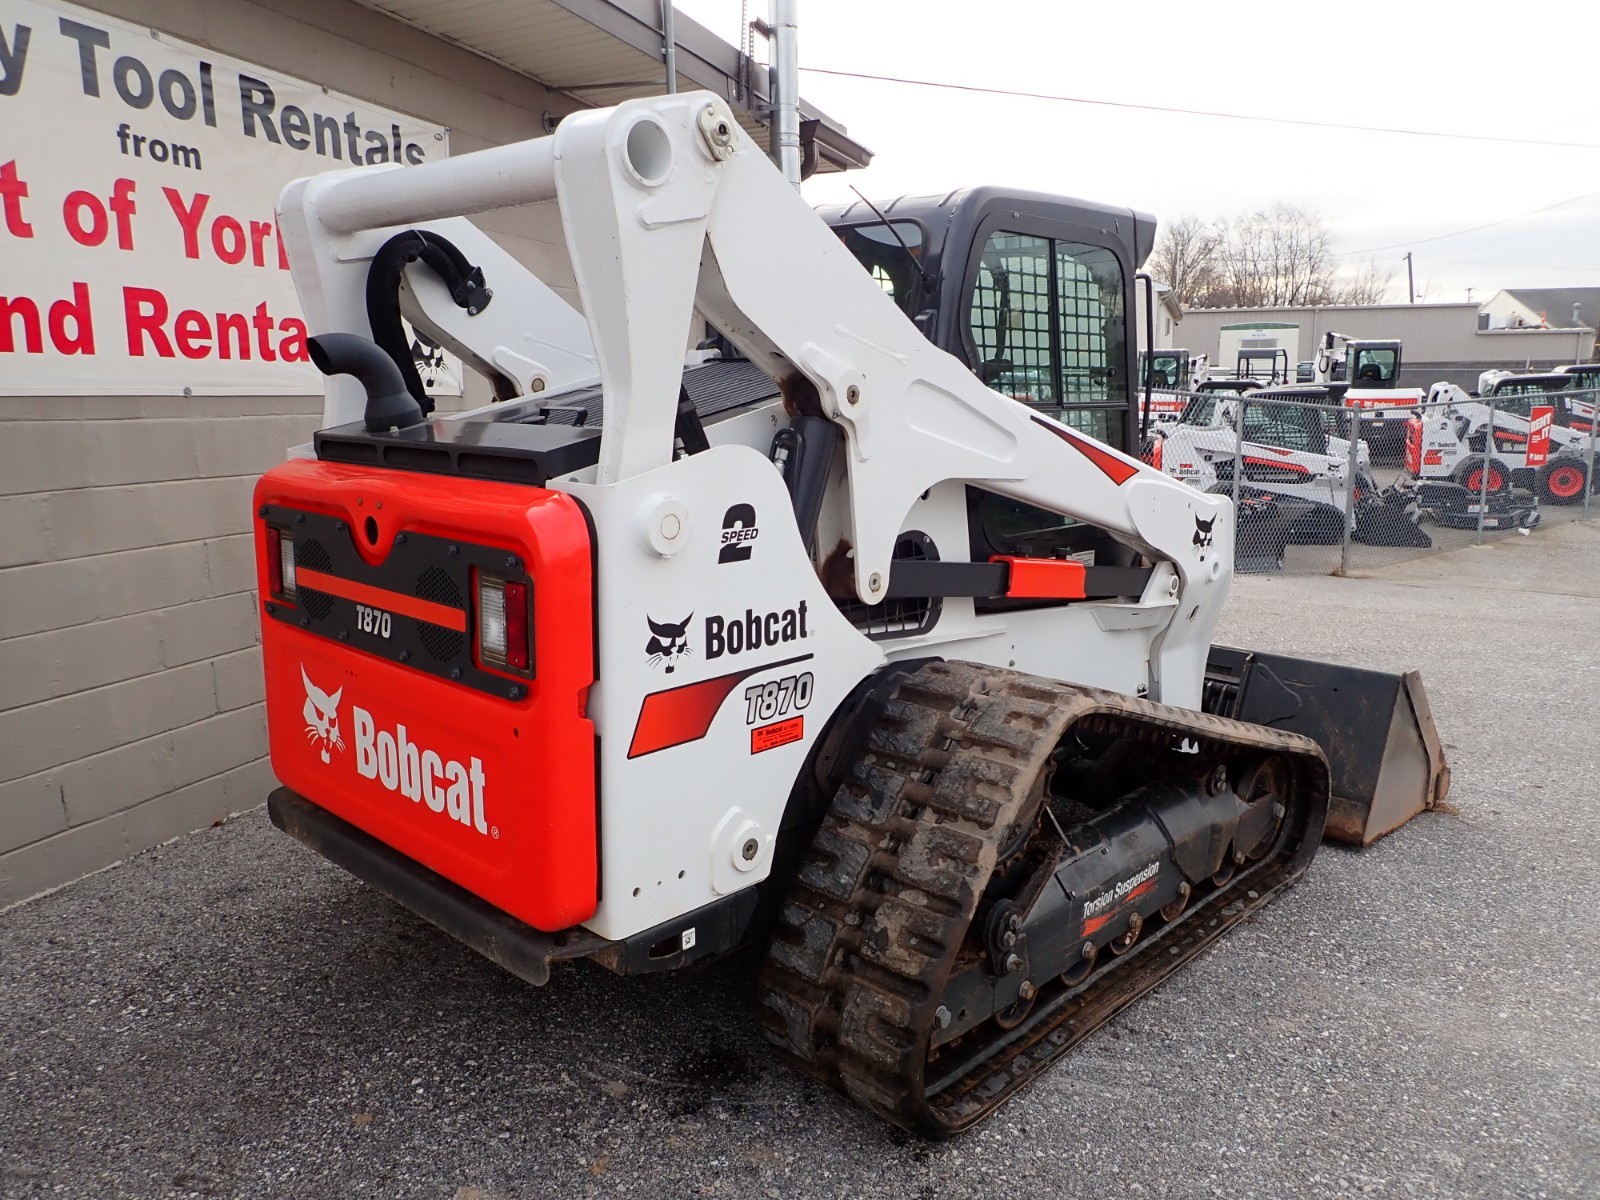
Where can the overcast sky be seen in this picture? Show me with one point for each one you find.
(1514, 71)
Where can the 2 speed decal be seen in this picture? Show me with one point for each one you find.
(738, 531)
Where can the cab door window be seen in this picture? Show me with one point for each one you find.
(1011, 319)
(1047, 319)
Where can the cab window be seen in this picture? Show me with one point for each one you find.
(891, 255)
(1047, 320)
(1373, 366)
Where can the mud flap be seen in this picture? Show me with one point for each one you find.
(1375, 726)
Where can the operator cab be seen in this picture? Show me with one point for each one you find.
(1518, 395)
(1263, 365)
(1165, 368)
(1372, 364)
(1035, 294)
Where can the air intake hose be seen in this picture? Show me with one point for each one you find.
(389, 404)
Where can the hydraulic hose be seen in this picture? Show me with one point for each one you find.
(389, 264)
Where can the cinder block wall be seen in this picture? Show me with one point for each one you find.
(130, 668)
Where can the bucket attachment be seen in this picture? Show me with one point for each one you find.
(1376, 728)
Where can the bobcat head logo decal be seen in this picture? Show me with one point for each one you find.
(668, 642)
(322, 716)
(1202, 532)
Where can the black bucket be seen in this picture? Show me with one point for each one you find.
(1376, 728)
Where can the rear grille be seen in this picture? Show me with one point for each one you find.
(313, 556)
(443, 644)
(361, 601)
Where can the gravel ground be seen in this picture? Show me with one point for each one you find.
(229, 1016)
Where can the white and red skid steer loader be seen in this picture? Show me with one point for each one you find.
(828, 647)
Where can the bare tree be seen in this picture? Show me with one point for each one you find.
(1186, 259)
(1277, 256)
(1368, 285)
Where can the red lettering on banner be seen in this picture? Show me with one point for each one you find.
(260, 231)
(77, 311)
(123, 208)
(73, 209)
(227, 239)
(141, 323)
(188, 218)
(11, 308)
(192, 332)
(293, 346)
(13, 191)
(233, 324)
(70, 323)
(263, 324)
(195, 335)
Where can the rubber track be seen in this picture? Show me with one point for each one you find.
(870, 931)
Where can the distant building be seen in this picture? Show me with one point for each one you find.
(1439, 341)
(1539, 308)
(1168, 313)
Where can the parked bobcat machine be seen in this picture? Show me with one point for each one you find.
(1450, 441)
(1166, 379)
(831, 649)
(1364, 375)
(1289, 457)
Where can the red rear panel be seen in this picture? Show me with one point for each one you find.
(381, 707)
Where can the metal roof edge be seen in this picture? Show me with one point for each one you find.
(708, 61)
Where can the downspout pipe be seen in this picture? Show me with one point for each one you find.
(669, 46)
(785, 87)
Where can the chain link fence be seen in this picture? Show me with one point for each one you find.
(1322, 487)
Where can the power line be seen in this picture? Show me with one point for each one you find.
(1439, 237)
(1198, 112)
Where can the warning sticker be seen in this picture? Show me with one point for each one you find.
(780, 733)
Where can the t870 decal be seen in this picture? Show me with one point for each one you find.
(777, 697)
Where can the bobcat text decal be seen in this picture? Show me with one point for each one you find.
(400, 765)
(734, 635)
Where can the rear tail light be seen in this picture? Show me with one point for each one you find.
(280, 564)
(503, 625)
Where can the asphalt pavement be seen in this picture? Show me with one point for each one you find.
(230, 1016)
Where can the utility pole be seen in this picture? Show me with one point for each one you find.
(1411, 283)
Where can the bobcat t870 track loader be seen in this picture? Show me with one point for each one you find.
(819, 643)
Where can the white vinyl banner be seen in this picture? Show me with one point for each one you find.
(138, 175)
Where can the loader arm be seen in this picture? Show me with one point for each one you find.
(668, 208)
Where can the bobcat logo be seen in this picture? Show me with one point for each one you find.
(322, 716)
(668, 643)
(1202, 532)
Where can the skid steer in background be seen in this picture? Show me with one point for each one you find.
(1364, 375)
(1166, 379)
(833, 647)
(1450, 439)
